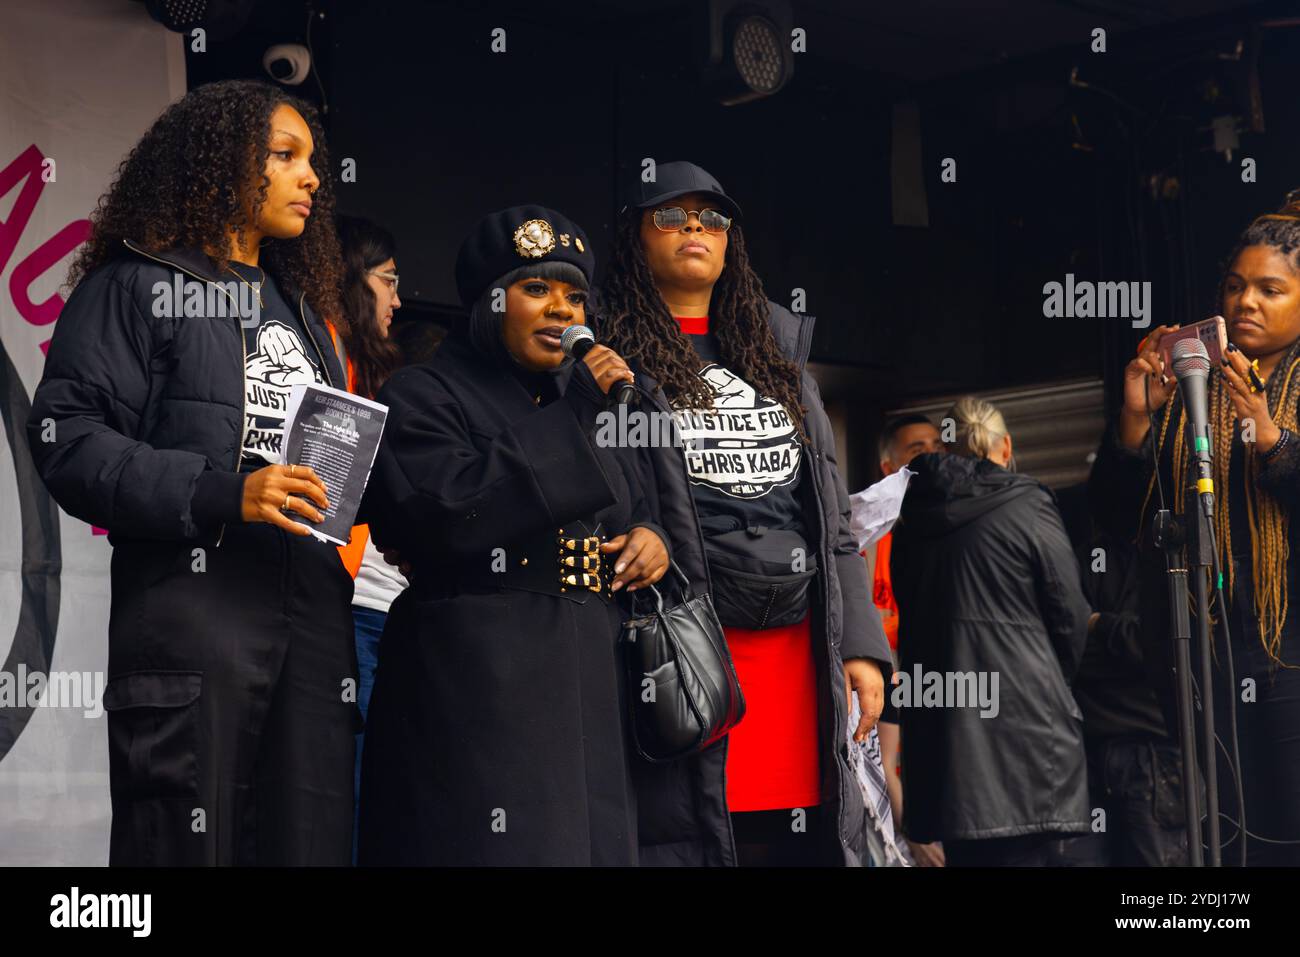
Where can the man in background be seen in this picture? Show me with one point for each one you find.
(903, 439)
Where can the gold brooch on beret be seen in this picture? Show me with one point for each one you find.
(534, 239)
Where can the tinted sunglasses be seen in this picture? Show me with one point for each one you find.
(672, 218)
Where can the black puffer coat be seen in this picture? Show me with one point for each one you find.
(987, 583)
(149, 409)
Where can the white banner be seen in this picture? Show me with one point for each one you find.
(80, 81)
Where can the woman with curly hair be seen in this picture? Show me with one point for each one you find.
(1256, 471)
(159, 417)
(756, 509)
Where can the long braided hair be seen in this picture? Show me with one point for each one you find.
(632, 319)
(1269, 521)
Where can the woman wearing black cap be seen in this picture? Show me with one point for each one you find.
(755, 507)
(496, 730)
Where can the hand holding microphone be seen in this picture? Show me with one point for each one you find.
(608, 368)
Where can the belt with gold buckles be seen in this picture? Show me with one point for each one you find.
(567, 562)
(580, 562)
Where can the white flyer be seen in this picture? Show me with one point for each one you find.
(336, 434)
(876, 507)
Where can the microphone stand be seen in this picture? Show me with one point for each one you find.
(1169, 538)
(1189, 548)
(1200, 562)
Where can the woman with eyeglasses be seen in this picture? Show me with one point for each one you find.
(367, 351)
(497, 731)
(755, 507)
(160, 417)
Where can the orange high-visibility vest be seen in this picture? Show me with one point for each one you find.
(882, 591)
(353, 551)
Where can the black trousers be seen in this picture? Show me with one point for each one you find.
(778, 838)
(1026, 850)
(1138, 782)
(231, 702)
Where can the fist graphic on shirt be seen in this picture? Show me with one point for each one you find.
(280, 359)
(730, 391)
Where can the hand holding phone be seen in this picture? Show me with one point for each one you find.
(1213, 332)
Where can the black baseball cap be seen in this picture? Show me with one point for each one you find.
(677, 179)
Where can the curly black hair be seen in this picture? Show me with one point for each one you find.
(185, 185)
(632, 319)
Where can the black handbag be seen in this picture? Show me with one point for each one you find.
(682, 686)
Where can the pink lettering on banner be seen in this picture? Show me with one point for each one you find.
(27, 168)
(42, 258)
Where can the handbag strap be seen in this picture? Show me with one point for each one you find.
(683, 581)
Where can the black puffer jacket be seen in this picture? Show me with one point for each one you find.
(148, 410)
(986, 582)
(683, 814)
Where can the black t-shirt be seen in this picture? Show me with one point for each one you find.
(278, 355)
(743, 454)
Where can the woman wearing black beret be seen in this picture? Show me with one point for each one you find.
(496, 731)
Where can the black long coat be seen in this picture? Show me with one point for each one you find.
(496, 732)
(987, 584)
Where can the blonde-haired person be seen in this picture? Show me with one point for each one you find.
(1257, 480)
(987, 585)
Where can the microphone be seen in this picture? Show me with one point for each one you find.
(1191, 365)
(576, 341)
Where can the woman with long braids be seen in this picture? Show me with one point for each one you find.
(757, 512)
(1256, 456)
(160, 417)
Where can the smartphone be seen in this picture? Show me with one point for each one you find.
(1213, 332)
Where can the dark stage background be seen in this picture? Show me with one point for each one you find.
(1111, 177)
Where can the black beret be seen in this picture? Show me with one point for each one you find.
(514, 237)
